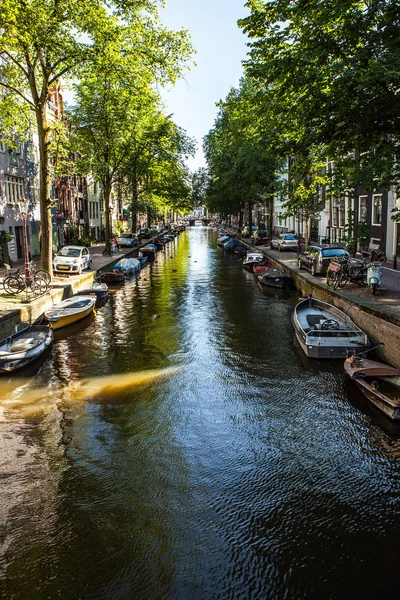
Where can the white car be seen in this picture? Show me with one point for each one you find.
(286, 241)
(72, 259)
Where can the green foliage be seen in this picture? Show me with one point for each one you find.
(241, 161)
(328, 74)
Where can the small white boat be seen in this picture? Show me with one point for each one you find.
(69, 311)
(252, 258)
(324, 331)
(22, 348)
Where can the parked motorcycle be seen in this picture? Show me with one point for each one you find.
(374, 276)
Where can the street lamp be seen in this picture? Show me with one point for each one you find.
(23, 204)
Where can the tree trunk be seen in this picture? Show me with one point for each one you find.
(46, 228)
(307, 232)
(107, 196)
(134, 201)
(250, 219)
(241, 218)
(271, 217)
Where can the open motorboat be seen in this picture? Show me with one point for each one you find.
(380, 383)
(274, 278)
(23, 347)
(252, 258)
(70, 310)
(324, 331)
(261, 268)
(113, 277)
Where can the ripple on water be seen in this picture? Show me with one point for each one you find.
(250, 473)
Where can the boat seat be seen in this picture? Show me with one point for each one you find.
(314, 320)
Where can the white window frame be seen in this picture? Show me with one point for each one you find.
(359, 208)
(373, 209)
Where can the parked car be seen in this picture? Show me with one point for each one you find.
(260, 237)
(317, 258)
(144, 232)
(285, 241)
(127, 240)
(72, 259)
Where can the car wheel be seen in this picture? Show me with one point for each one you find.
(312, 270)
(80, 270)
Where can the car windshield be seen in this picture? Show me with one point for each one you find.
(289, 237)
(69, 252)
(262, 232)
(333, 252)
(126, 235)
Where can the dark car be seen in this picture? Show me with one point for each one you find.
(260, 237)
(144, 232)
(317, 258)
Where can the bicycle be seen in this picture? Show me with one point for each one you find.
(346, 270)
(37, 281)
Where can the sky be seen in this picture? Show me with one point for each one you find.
(220, 46)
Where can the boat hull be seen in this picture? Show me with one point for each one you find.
(66, 313)
(360, 370)
(340, 342)
(13, 361)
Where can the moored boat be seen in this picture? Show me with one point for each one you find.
(378, 382)
(252, 259)
(113, 277)
(258, 269)
(231, 244)
(324, 331)
(274, 278)
(23, 347)
(100, 290)
(70, 310)
(223, 239)
(127, 266)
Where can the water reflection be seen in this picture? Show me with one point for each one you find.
(247, 472)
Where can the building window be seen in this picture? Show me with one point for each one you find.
(14, 189)
(363, 209)
(377, 209)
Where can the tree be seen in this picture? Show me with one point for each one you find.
(330, 73)
(116, 103)
(240, 157)
(44, 41)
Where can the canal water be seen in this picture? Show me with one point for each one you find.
(234, 468)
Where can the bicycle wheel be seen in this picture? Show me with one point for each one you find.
(343, 279)
(330, 278)
(12, 285)
(40, 285)
(44, 275)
